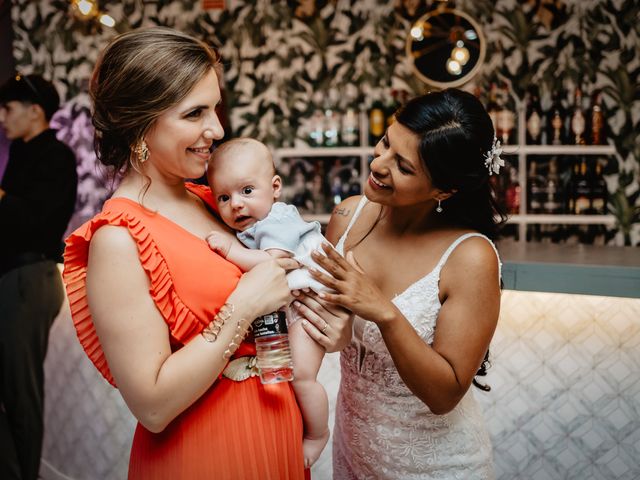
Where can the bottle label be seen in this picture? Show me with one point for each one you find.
(270, 324)
(533, 125)
(582, 205)
(598, 205)
(577, 124)
(376, 122)
(506, 120)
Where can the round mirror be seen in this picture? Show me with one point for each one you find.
(446, 47)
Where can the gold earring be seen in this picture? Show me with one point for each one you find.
(142, 151)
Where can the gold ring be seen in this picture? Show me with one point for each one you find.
(324, 329)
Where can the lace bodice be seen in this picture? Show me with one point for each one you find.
(382, 430)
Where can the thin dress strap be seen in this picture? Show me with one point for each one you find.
(356, 214)
(461, 239)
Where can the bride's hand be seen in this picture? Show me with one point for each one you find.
(329, 325)
(353, 289)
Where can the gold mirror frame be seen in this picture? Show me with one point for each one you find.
(446, 27)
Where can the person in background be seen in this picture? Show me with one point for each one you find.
(37, 199)
(162, 316)
(422, 277)
(242, 176)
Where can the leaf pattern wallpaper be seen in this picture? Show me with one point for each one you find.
(282, 57)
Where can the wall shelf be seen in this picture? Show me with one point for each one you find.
(563, 219)
(520, 150)
(558, 149)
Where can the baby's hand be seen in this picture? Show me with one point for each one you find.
(220, 242)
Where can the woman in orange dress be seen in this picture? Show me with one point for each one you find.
(163, 317)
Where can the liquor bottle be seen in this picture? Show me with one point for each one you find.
(582, 196)
(376, 122)
(570, 188)
(578, 120)
(534, 117)
(596, 120)
(316, 123)
(553, 190)
(556, 121)
(350, 132)
(506, 116)
(598, 191)
(273, 353)
(331, 120)
(492, 107)
(316, 129)
(391, 106)
(535, 190)
(512, 193)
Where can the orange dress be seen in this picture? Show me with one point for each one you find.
(236, 430)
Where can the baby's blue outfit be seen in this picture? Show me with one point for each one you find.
(283, 228)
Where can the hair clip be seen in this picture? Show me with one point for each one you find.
(492, 159)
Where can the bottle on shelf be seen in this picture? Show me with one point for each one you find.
(506, 117)
(570, 187)
(534, 189)
(598, 191)
(553, 194)
(534, 117)
(556, 121)
(390, 107)
(273, 353)
(582, 194)
(512, 193)
(376, 122)
(596, 130)
(315, 137)
(350, 131)
(331, 120)
(577, 123)
(492, 106)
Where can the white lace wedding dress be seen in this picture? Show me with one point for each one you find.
(382, 430)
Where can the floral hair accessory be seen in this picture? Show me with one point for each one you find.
(492, 159)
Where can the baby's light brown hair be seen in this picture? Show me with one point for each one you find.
(234, 145)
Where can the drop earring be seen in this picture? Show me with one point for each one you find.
(439, 207)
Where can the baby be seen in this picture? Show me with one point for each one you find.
(245, 186)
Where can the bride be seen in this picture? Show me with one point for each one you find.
(422, 277)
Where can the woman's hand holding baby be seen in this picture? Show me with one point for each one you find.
(353, 289)
(264, 287)
(328, 324)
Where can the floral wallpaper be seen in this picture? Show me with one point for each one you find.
(282, 58)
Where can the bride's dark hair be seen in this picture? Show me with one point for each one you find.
(455, 133)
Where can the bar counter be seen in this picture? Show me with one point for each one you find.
(565, 376)
(582, 269)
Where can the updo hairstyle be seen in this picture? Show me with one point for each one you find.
(455, 133)
(138, 77)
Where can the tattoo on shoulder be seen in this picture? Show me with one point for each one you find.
(342, 211)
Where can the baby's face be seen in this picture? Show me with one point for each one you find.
(244, 187)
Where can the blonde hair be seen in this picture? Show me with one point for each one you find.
(139, 76)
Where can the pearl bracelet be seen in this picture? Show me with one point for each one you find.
(210, 332)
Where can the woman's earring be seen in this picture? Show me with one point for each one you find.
(439, 207)
(142, 151)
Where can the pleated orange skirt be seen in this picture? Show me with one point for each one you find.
(235, 431)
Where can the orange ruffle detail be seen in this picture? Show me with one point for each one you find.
(182, 322)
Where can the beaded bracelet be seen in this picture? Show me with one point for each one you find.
(210, 332)
(237, 338)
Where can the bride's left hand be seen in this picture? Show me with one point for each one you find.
(353, 289)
